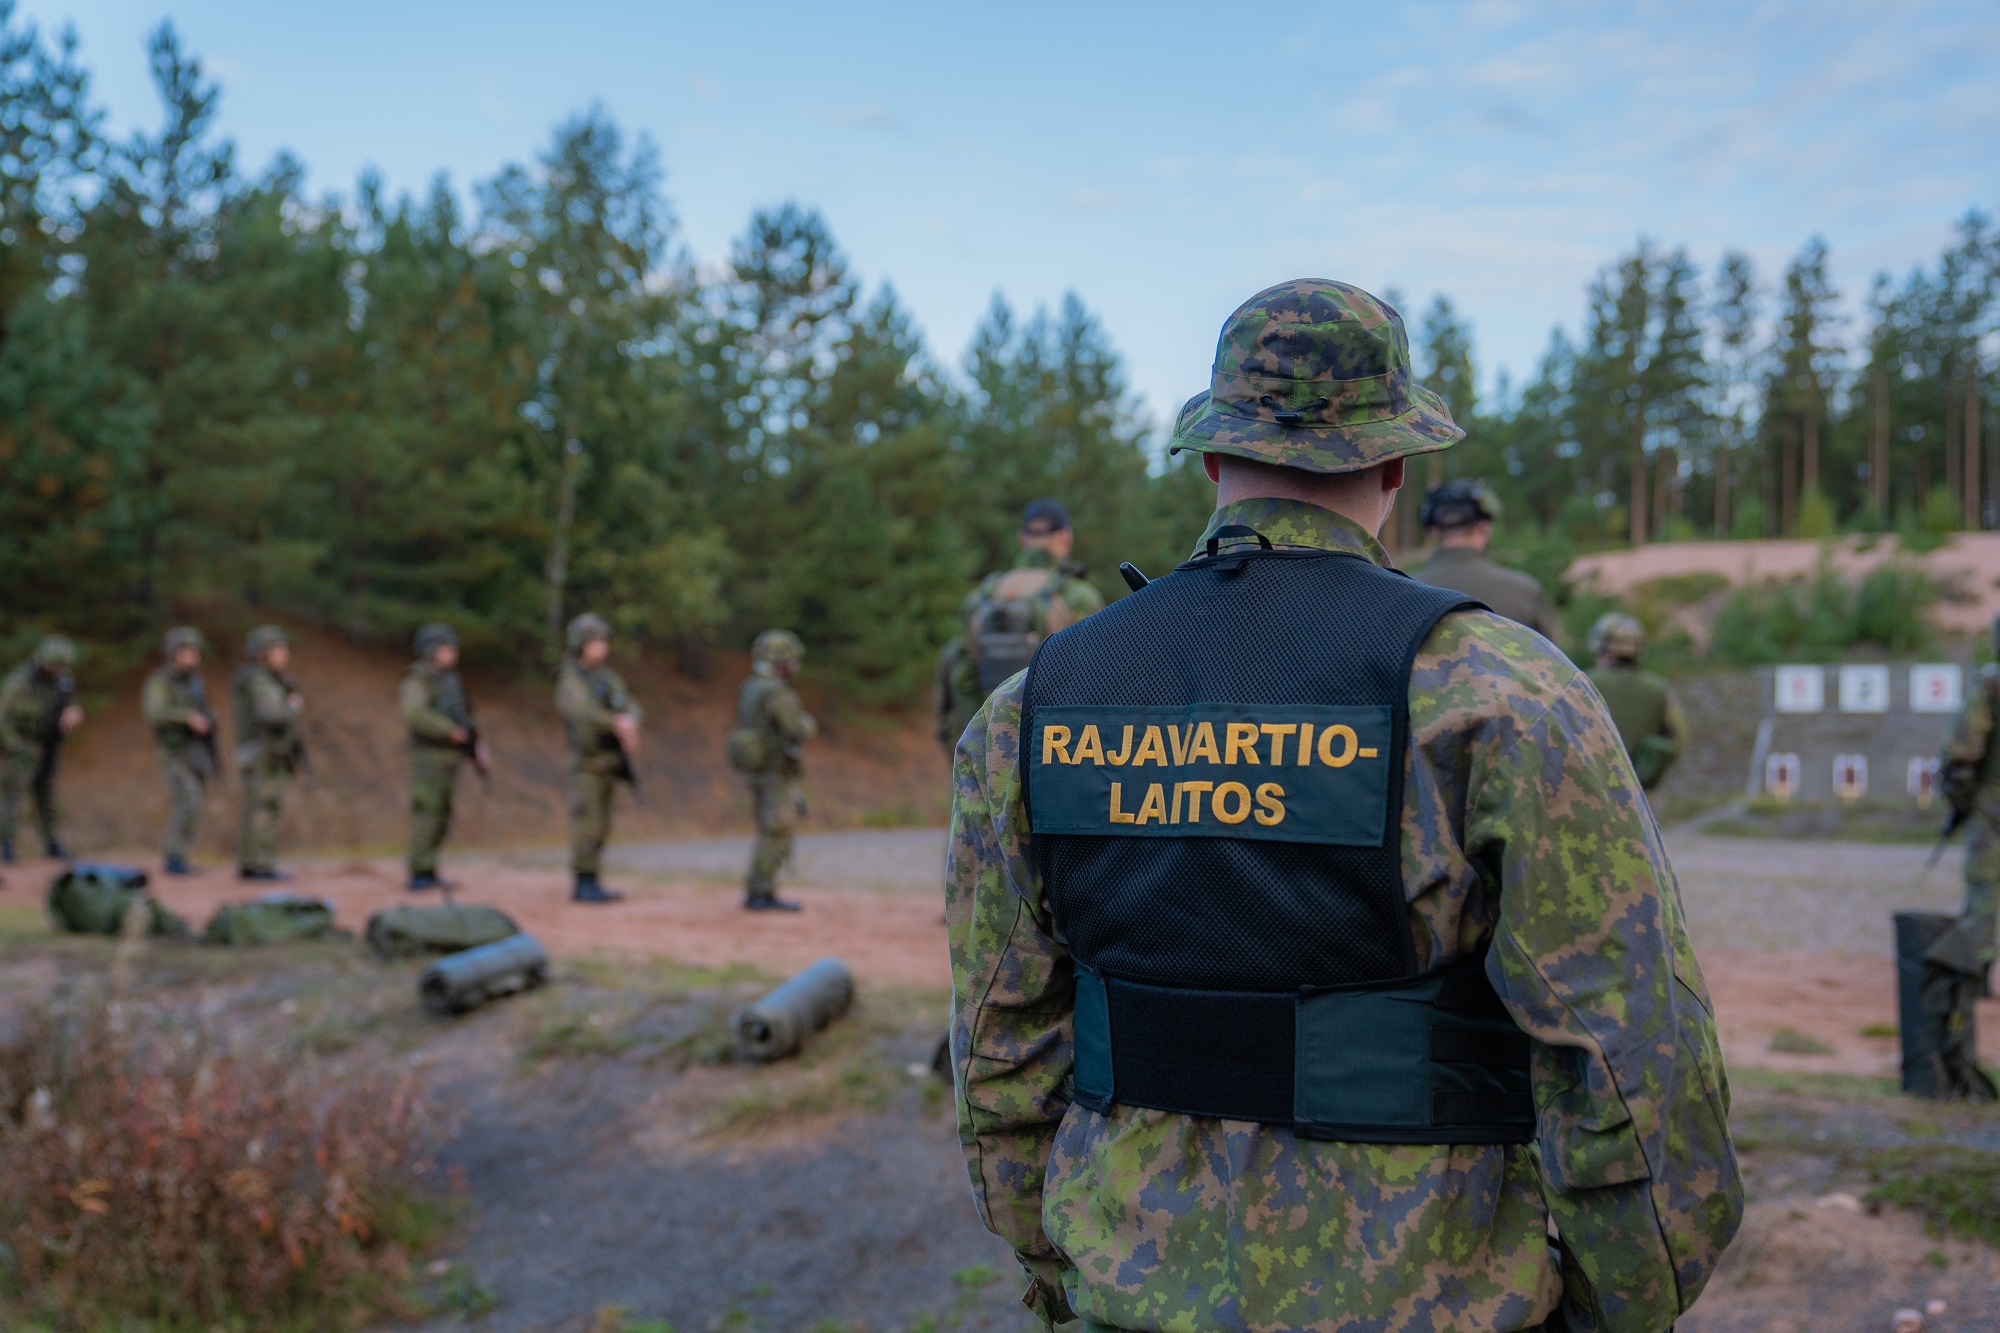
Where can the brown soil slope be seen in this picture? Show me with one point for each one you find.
(863, 770)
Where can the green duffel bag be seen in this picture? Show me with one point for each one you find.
(92, 899)
(411, 932)
(275, 918)
(748, 750)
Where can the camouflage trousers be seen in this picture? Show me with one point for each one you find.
(263, 807)
(23, 774)
(433, 783)
(590, 799)
(774, 804)
(187, 783)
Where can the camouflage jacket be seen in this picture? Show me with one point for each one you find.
(590, 700)
(770, 705)
(1970, 764)
(31, 700)
(433, 702)
(1508, 591)
(957, 693)
(168, 699)
(267, 707)
(1524, 832)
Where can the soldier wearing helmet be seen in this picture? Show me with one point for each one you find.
(601, 720)
(771, 726)
(174, 700)
(1009, 613)
(38, 710)
(1648, 717)
(442, 736)
(270, 745)
(1955, 965)
(1460, 515)
(1310, 938)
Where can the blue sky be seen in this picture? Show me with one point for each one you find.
(1163, 160)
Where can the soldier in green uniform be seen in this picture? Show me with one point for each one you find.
(602, 723)
(270, 745)
(174, 700)
(771, 724)
(1955, 965)
(1460, 515)
(1648, 717)
(38, 710)
(1316, 962)
(442, 736)
(1008, 614)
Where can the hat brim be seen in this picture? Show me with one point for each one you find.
(1424, 428)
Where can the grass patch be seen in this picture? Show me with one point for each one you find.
(901, 815)
(1842, 1087)
(1790, 1041)
(1873, 1030)
(1957, 1189)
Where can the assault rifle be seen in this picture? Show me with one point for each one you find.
(52, 731)
(1952, 824)
(470, 747)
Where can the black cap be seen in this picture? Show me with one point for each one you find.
(1043, 517)
(1458, 503)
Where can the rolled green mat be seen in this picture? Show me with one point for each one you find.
(466, 980)
(778, 1025)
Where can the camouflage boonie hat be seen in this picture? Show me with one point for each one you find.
(778, 645)
(1618, 635)
(1314, 375)
(433, 635)
(55, 651)
(183, 636)
(262, 640)
(586, 627)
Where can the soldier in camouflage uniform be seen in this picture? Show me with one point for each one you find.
(442, 736)
(270, 745)
(771, 724)
(1522, 879)
(38, 710)
(602, 722)
(1008, 614)
(175, 702)
(1955, 965)
(1460, 514)
(1648, 717)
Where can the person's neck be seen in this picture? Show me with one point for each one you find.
(1368, 513)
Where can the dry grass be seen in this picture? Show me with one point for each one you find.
(151, 1169)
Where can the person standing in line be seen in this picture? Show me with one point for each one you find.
(601, 721)
(270, 746)
(771, 726)
(174, 700)
(442, 736)
(38, 711)
(1460, 515)
(1648, 717)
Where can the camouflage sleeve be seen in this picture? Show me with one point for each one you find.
(1965, 749)
(423, 720)
(1674, 727)
(579, 707)
(1082, 597)
(18, 726)
(788, 714)
(1591, 954)
(1012, 993)
(270, 703)
(156, 701)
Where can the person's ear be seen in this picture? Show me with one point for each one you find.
(1212, 465)
(1392, 475)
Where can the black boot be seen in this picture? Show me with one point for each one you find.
(768, 902)
(6, 853)
(57, 850)
(424, 879)
(178, 865)
(263, 873)
(588, 890)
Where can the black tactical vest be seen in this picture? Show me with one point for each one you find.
(1214, 774)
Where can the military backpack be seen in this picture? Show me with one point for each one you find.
(1009, 616)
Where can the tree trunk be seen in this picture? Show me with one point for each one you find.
(558, 572)
(1878, 443)
(1954, 458)
(1788, 479)
(1723, 460)
(1666, 479)
(1975, 494)
(1640, 509)
(1809, 466)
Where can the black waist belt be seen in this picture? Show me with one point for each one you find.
(1428, 1059)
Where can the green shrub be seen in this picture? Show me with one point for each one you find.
(1820, 620)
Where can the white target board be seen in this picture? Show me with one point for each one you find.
(1936, 687)
(1864, 689)
(1781, 776)
(1801, 689)
(1850, 776)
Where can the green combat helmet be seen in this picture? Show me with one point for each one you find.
(1315, 375)
(1459, 503)
(586, 627)
(778, 646)
(433, 636)
(183, 636)
(1617, 635)
(55, 653)
(262, 640)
